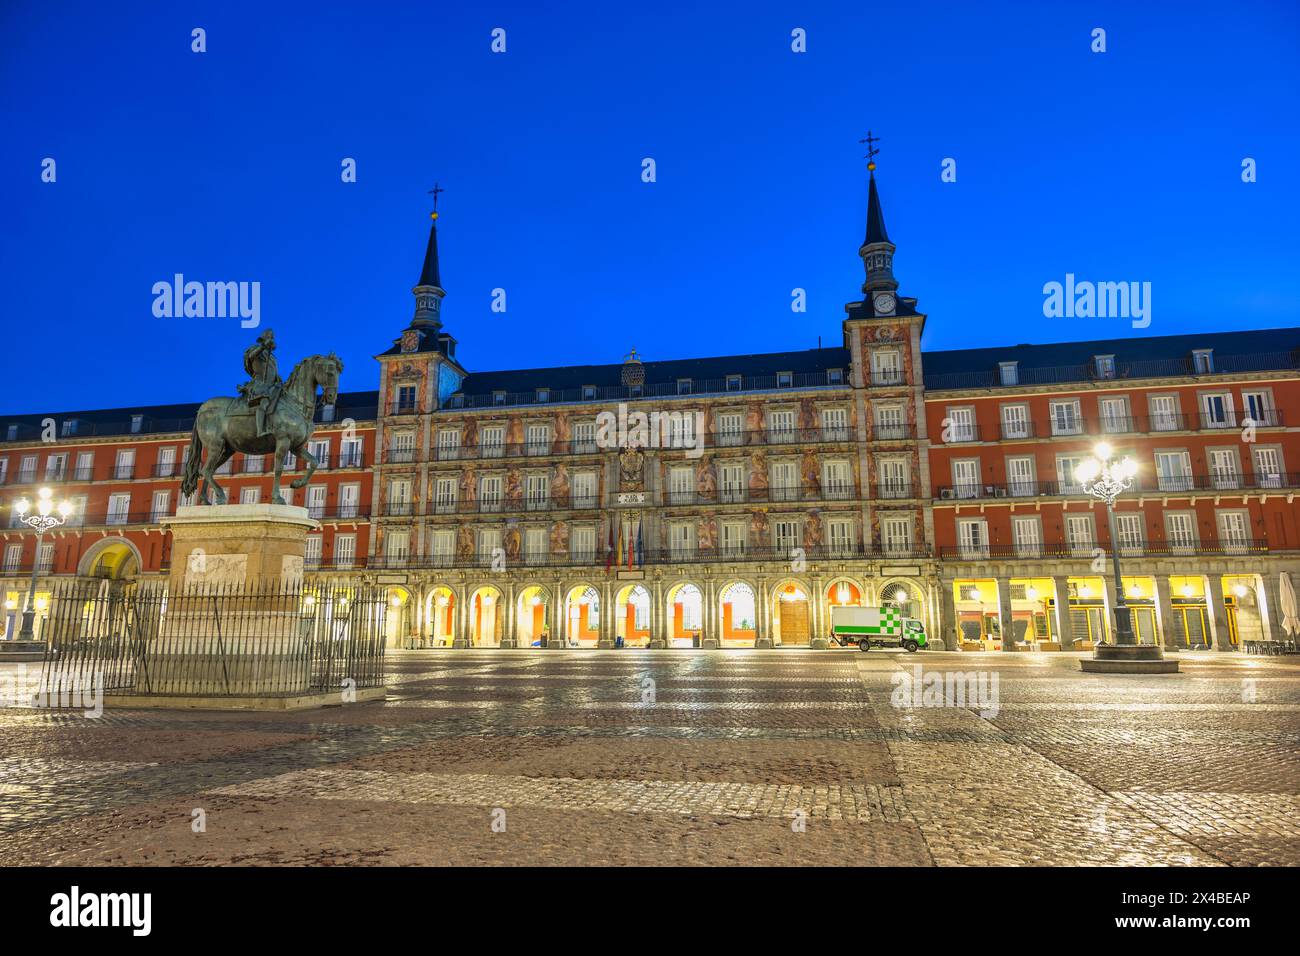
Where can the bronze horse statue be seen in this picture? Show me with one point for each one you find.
(225, 425)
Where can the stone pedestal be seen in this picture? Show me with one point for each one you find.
(1128, 659)
(240, 546)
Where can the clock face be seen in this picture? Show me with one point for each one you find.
(884, 302)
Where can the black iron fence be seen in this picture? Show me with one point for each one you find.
(146, 640)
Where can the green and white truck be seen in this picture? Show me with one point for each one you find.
(870, 627)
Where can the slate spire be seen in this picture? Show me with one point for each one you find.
(429, 291)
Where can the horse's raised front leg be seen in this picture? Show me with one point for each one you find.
(281, 449)
(300, 450)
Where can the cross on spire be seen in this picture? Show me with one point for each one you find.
(434, 193)
(870, 142)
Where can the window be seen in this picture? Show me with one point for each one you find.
(13, 557)
(1066, 466)
(1009, 373)
(730, 430)
(397, 547)
(681, 540)
(1234, 533)
(1015, 421)
(1180, 530)
(683, 386)
(1173, 471)
(895, 478)
(681, 431)
(119, 507)
(405, 399)
(785, 481)
(85, 466)
(731, 482)
(896, 535)
(780, 426)
(1027, 536)
(489, 493)
(584, 438)
(786, 535)
(839, 535)
(444, 548)
(498, 398)
(588, 393)
(69, 427)
(1020, 476)
(1216, 410)
(250, 496)
(27, 469)
(349, 501)
(543, 394)
(584, 489)
(45, 557)
(784, 379)
(1164, 413)
(733, 383)
(124, 466)
(311, 551)
(961, 424)
(582, 544)
(1203, 361)
(320, 450)
(1224, 473)
(444, 495)
(56, 467)
(489, 544)
(350, 452)
(1258, 406)
(537, 492)
(1129, 532)
(681, 485)
(1114, 415)
(345, 550)
(166, 461)
(891, 422)
(448, 445)
(137, 423)
(327, 413)
(886, 367)
(966, 477)
(1079, 535)
(399, 496)
(1066, 419)
(160, 506)
(835, 424)
(316, 501)
(78, 516)
(733, 538)
(972, 538)
(837, 480)
(1105, 365)
(538, 438)
(492, 441)
(253, 464)
(1268, 467)
(834, 376)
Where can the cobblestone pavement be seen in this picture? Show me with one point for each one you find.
(639, 757)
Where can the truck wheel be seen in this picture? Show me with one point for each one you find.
(864, 644)
(911, 646)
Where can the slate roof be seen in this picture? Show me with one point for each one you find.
(1136, 356)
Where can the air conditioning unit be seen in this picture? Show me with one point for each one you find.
(947, 494)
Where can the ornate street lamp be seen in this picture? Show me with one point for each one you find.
(47, 515)
(1105, 476)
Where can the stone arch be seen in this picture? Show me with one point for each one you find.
(116, 555)
(633, 607)
(791, 612)
(487, 613)
(532, 614)
(581, 622)
(684, 603)
(440, 606)
(738, 610)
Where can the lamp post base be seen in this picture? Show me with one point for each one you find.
(1128, 659)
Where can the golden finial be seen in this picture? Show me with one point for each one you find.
(871, 142)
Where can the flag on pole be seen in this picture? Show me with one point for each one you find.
(620, 544)
(640, 553)
(631, 547)
(609, 547)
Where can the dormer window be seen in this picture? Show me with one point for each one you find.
(733, 383)
(1203, 361)
(543, 394)
(69, 427)
(458, 400)
(835, 376)
(784, 379)
(683, 386)
(1105, 365)
(137, 422)
(11, 433)
(498, 398)
(327, 413)
(589, 393)
(1009, 373)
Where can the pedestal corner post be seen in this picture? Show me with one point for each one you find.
(245, 546)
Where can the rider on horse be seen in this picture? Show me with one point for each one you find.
(263, 392)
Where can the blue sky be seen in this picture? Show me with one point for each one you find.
(225, 166)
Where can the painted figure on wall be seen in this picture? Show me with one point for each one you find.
(560, 485)
(758, 529)
(708, 533)
(560, 538)
(706, 479)
(758, 474)
(812, 531)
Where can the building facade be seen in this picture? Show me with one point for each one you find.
(732, 501)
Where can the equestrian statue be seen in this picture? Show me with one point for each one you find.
(269, 417)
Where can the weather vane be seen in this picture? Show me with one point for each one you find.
(434, 193)
(871, 142)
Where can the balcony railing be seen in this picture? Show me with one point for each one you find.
(1148, 549)
(1149, 485)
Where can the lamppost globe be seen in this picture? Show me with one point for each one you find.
(48, 515)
